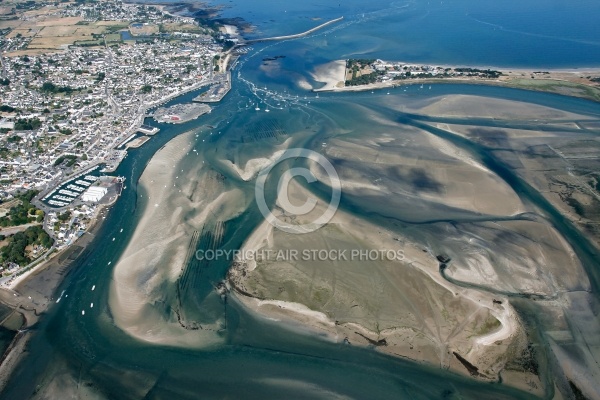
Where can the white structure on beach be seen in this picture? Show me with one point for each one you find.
(94, 194)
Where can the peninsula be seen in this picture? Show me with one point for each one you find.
(370, 74)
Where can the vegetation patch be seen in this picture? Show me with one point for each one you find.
(17, 250)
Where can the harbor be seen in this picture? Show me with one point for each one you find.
(137, 142)
(216, 92)
(180, 113)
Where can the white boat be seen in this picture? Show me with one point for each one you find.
(60, 297)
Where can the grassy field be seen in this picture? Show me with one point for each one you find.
(49, 33)
(181, 27)
(144, 30)
(51, 36)
(556, 86)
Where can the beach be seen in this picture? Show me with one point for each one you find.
(331, 74)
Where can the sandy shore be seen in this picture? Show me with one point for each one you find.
(368, 303)
(333, 74)
(413, 329)
(138, 273)
(408, 308)
(182, 195)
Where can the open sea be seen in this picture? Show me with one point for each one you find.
(261, 360)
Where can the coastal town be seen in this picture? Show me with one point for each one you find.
(77, 81)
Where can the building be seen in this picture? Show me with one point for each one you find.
(94, 194)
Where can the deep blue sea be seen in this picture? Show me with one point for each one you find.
(511, 33)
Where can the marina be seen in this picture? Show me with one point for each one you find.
(69, 191)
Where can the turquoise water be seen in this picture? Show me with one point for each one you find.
(259, 359)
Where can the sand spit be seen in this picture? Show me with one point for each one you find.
(416, 176)
(146, 275)
(254, 165)
(569, 82)
(469, 106)
(332, 74)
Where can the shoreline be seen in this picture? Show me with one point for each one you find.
(46, 269)
(29, 301)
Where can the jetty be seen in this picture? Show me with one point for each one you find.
(297, 35)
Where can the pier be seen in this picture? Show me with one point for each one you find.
(298, 35)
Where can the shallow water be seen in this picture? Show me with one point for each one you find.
(261, 359)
